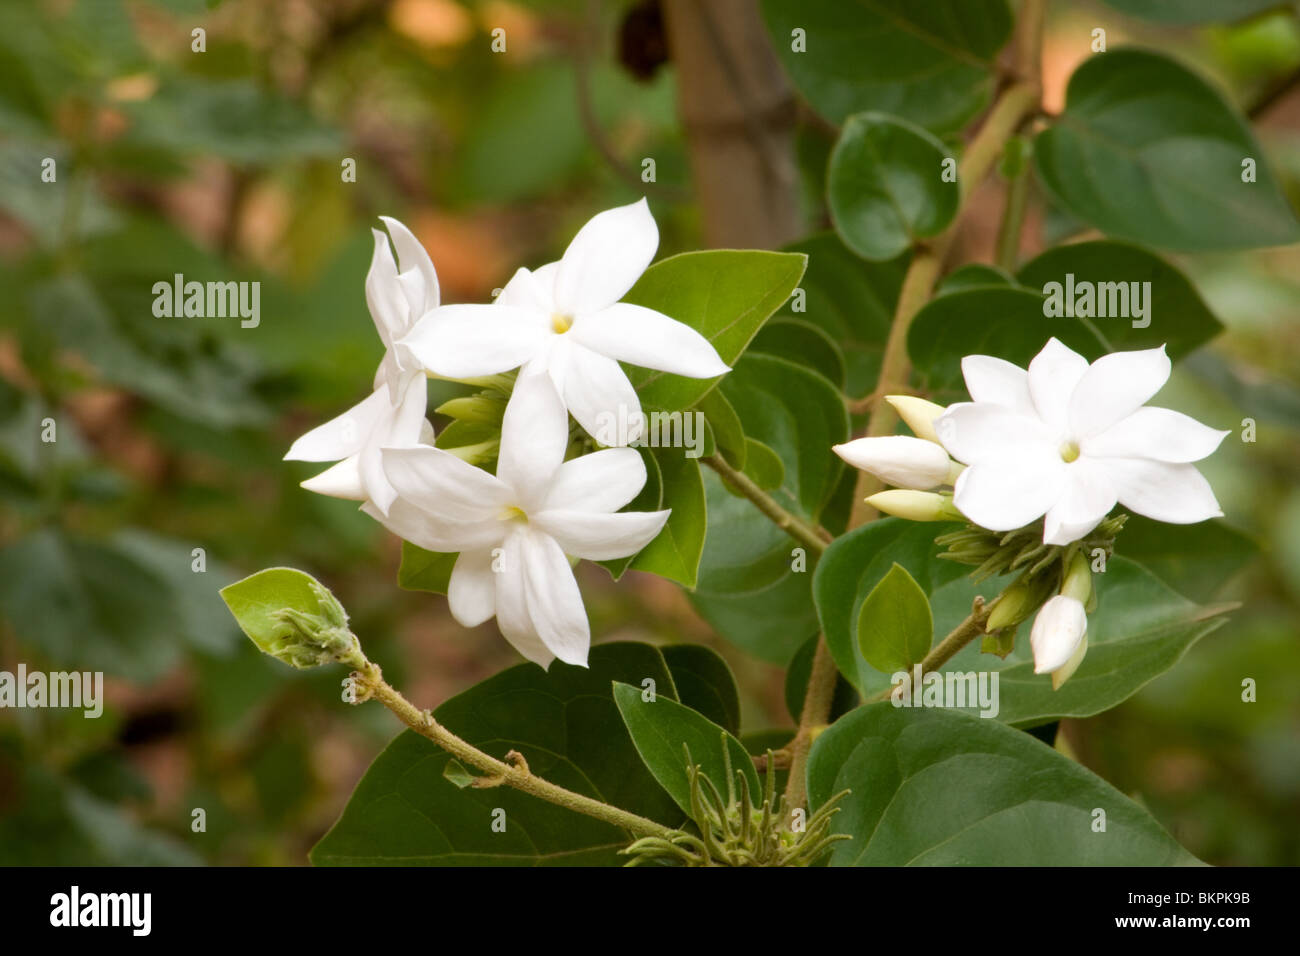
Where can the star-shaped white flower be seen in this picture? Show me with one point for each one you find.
(566, 319)
(1068, 440)
(394, 413)
(513, 531)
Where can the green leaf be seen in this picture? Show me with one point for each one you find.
(728, 432)
(928, 62)
(725, 295)
(406, 812)
(675, 551)
(704, 683)
(423, 570)
(885, 186)
(763, 465)
(1176, 315)
(1194, 559)
(292, 617)
(1193, 11)
(1147, 150)
(804, 343)
(934, 788)
(661, 728)
(895, 624)
(1011, 321)
(854, 565)
(852, 301)
(973, 275)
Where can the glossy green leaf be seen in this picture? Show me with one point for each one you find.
(1147, 150)
(852, 301)
(725, 295)
(728, 432)
(675, 551)
(704, 683)
(763, 465)
(1194, 559)
(895, 624)
(934, 788)
(885, 186)
(1011, 322)
(804, 343)
(661, 728)
(406, 812)
(927, 62)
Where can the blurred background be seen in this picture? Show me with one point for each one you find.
(227, 164)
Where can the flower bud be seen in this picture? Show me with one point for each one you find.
(916, 505)
(1057, 634)
(1066, 670)
(1078, 579)
(898, 460)
(918, 414)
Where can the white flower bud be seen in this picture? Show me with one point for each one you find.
(915, 505)
(898, 460)
(918, 414)
(1058, 631)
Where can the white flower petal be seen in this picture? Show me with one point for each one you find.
(413, 260)
(534, 438)
(1053, 375)
(512, 602)
(1009, 493)
(468, 341)
(599, 396)
(600, 537)
(601, 482)
(1158, 433)
(345, 435)
(990, 379)
(898, 460)
(1087, 498)
(1173, 492)
(342, 480)
(975, 432)
(402, 429)
(434, 533)
(605, 259)
(650, 339)
(440, 484)
(531, 290)
(472, 589)
(1114, 387)
(383, 295)
(1058, 629)
(554, 602)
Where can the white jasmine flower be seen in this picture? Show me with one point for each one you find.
(1068, 440)
(915, 505)
(394, 413)
(918, 413)
(1059, 637)
(898, 460)
(566, 319)
(513, 531)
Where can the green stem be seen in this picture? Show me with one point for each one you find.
(816, 713)
(1013, 218)
(814, 537)
(514, 774)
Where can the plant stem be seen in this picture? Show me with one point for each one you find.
(961, 635)
(1013, 218)
(814, 537)
(816, 713)
(514, 774)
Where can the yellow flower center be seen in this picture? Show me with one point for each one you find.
(514, 513)
(1069, 451)
(561, 323)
